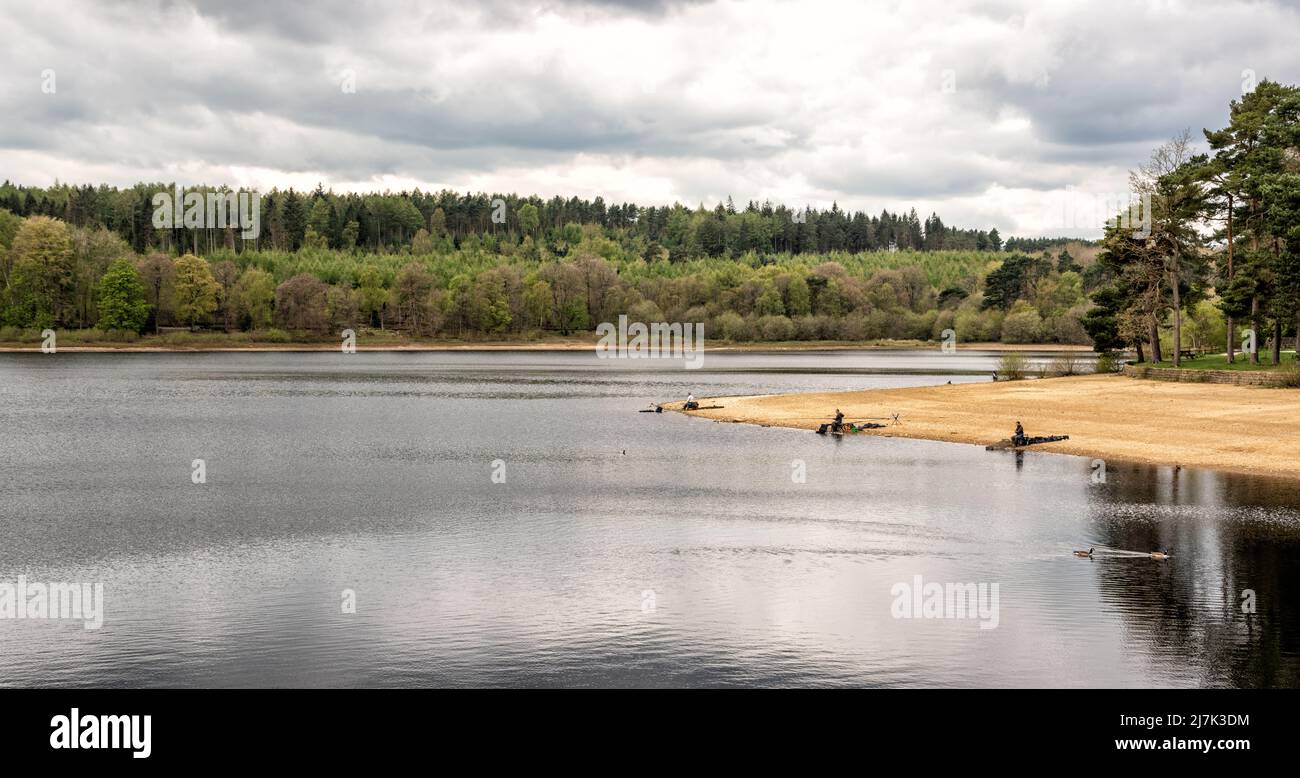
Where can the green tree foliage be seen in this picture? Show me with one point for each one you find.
(342, 308)
(529, 219)
(123, 304)
(1022, 324)
(92, 251)
(196, 290)
(321, 219)
(1009, 281)
(301, 304)
(374, 297)
(255, 298)
(9, 224)
(414, 300)
(386, 221)
(433, 264)
(226, 274)
(41, 281)
(158, 273)
(292, 222)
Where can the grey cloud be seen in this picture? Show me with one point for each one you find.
(140, 90)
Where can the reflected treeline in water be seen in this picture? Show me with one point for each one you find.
(1223, 601)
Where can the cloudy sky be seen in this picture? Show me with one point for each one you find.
(1025, 116)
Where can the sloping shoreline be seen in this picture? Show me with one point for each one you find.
(1217, 426)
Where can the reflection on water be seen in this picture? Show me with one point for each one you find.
(621, 549)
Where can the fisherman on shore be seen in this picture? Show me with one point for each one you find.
(690, 402)
(1019, 438)
(838, 425)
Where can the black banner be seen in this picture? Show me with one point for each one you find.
(146, 728)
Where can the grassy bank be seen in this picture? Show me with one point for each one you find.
(1220, 362)
(1227, 427)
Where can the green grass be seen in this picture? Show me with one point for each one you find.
(1220, 362)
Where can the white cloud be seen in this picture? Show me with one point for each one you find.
(802, 102)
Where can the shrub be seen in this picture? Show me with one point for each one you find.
(1107, 362)
(853, 327)
(806, 328)
(728, 326)
(922, 324)
(877, 323)
(694, 314)
(974, 326)
(774, 328)
(271, 335)
(300, 302)
(1289, 376)
(177, 338)
(1022, 327)
(1013, 366)
(1065, 364)
(945, 321)
(121, 336)
(1068, 327)
(20, 335)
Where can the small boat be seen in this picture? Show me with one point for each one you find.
(1008, 443)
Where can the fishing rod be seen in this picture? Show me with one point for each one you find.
(860, 418)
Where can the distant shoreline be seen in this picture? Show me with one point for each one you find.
(145, 346)
(1225, 427)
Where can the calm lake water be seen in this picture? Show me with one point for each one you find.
(622, 549)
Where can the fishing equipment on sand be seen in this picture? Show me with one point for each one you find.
(850, 427)
(1009, 443)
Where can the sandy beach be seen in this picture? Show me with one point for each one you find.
(1225, 427)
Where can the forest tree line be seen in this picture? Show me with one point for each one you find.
(90, 278)
(389, 221)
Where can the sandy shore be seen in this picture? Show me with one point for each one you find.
(1225, 427)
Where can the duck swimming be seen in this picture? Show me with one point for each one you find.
(1086, 554)
(1160, 554)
